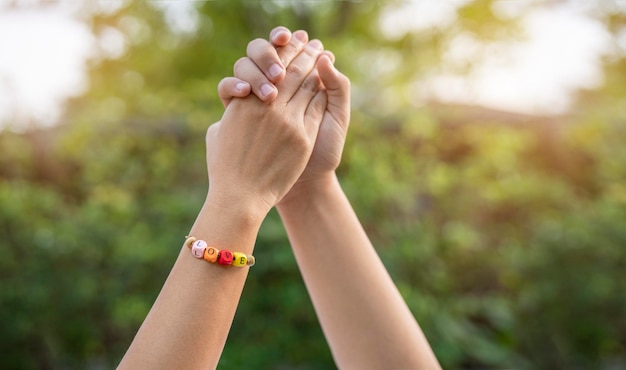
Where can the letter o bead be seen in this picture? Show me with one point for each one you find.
(225, 257)
(210, 254)
(197, 248)
(239, 259)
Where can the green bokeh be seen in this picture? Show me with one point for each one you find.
(506, 234)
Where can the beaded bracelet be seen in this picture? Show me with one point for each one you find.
(201, 250)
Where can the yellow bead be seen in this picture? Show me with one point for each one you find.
(210, 254)
(239, 259)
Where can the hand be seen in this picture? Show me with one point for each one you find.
(269, 68)
(257, 151)
(326, 154)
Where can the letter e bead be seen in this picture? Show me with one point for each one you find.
(239, 259)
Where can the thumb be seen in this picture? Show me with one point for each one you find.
(337, 89)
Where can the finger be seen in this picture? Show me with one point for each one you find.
(314, 114)
(265, 56)
(337, 88)
(289, 51)
(298, 70)
(246, 70)
(308, 89)
(232, 87)
(280, 36)
(330, 55)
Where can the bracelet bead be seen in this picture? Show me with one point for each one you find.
(225, 257)
(251, 260)
(201, 250)
(197, 248)
(210, 254)
(189, 240)
(239, 259)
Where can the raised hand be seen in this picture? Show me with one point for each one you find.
(263, 67)
(253, 74)
(257, 151)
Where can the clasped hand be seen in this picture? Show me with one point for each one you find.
(288, 134)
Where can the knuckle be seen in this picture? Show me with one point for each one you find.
(297, 138)
(311, 52)
(287, 52)
(295, 69)
(261, 52)
(345, 81)
(211, 132)
(311, 84)
(254, 45)
(240, 63)
(222, 85)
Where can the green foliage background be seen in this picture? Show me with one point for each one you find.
(505, 233)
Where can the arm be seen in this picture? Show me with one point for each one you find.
(254, 156)
(189, 322)
(363, 316)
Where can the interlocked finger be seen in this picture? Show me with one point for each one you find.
(280, 36)
(232, 87)
(298, 70)
(264, 55)
(311, 85)
(314, 112)
(246, 70)
(288, 52)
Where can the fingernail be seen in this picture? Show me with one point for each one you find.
(275, 70)
(240, 86)
(280, 34)
(266, 89)
(316, 44)
(300, 36)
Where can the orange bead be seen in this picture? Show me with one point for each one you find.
(210, 254)
(239, 259)
(225, 257)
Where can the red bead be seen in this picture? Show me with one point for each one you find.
(225, 257)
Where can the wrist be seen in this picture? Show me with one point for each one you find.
(310, 190)
(238, 208)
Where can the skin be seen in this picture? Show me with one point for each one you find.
(255, 155)
(364, 318)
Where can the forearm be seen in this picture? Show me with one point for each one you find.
(189, 322)
(363, 316)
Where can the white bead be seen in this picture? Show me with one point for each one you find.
(197, 248)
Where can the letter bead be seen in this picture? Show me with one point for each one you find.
(197, 248)
(225, 257)
(239, 259)
(201, 250)
(210, 254)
